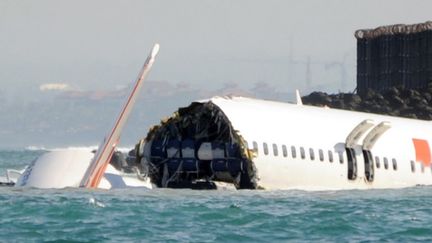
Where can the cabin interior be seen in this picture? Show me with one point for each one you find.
(196, 148)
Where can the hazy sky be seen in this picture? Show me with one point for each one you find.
(102, 44)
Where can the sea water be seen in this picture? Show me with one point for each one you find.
(28, 215)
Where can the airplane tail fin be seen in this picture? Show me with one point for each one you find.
(105, 151)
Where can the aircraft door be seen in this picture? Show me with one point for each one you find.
(351, 142)
(369, 166)
(370, 138)
(369, 141)
(352, 163)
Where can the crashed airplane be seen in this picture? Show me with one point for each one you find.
(259, 144)
(247, 143)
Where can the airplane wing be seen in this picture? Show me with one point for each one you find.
(105, 151)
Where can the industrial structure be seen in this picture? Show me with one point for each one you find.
(394, 56)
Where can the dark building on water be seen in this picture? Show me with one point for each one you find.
(394, 56)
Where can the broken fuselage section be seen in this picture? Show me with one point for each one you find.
(196, 148)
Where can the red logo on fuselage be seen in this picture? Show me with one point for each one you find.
(422, 151)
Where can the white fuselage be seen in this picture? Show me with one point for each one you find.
(66, 168)
(314, 139)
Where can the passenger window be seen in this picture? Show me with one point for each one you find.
(311, 154)
(275, 150)
(412, 166)
(377, 162)
(321, 155)
(284, 151)
(302, 153)
(265, 147)
(293, 152)
(341, 158)
(255, 147)
(385, 163)
(330, 156)
(394, 164)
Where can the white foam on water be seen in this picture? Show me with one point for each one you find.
(86, 148)
(94, 202)
(34, 148)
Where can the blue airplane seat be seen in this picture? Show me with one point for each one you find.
(157, 149)
(218, 149)
(173, 149)
(188, 148)
(219, 165)
(173, 165)
(232, 150)
(157, 152)
(190, 165)
(235, 166)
